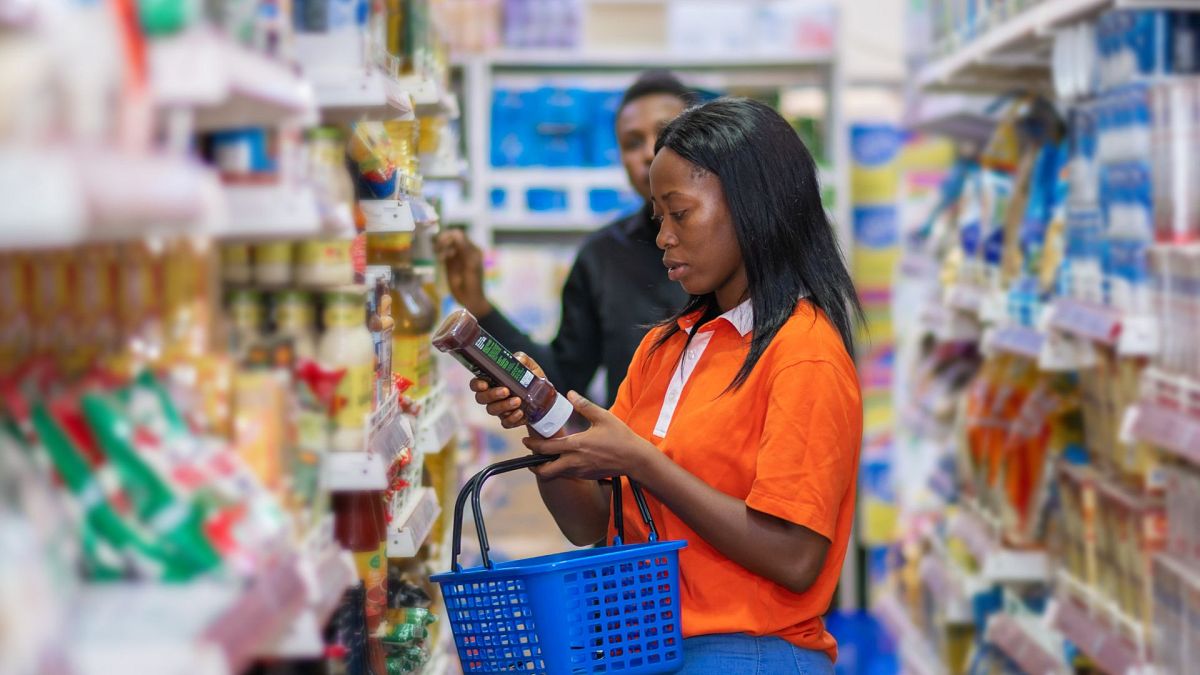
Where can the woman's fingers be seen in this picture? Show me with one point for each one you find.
(489, 396)
(503, 407)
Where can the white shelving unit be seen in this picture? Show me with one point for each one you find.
(480, 73)
(1024, 640)
(917, 655)
(202, 627)
(410, 529)
(389, 433)
(224, 84)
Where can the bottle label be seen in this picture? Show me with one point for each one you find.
(355, 391)
(555, 418)
(292, 315)
(343, 315)
(277, 253)
(372, 570)
(324, 252)
(412, 358)
(246, 314)
(381, 324)
(496, 352)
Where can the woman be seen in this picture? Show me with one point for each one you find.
(741, 415)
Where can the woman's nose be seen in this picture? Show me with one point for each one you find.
(666, 238)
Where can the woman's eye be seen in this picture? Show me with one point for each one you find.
(678, 215)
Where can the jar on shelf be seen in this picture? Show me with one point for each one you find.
(235, 264)
(296, 319)
(347, 345)
(324, 262)
(246, 318)
(273, 263)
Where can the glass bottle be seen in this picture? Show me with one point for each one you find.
(415, 317)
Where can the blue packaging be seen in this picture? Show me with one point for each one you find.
(510, 128)
(543, 200)
(561, 150)
(602, 149)
(498, 198)
(560, 110)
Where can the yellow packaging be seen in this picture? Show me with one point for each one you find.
(412, 358)
(325, 262)
(260, 400)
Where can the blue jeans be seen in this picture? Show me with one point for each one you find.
(739, 654)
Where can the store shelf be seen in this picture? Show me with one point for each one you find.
(917, 655)
(1171, 430)
(202, 627)
(225, 84)
(327, 571)
(278, 211)
(409, 530)
(998, 564)
(389, 434)
(62, 197)
(1100, 640)
(575, 60)
(436, 423)
(1023, 641)
(1012, 55)
(967, 298)
(442, 169)
(392, 215)
(1014, 339)
(345, 85)
(962, 117)
(1086, 320)
(948, 586)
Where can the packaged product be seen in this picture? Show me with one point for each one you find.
(548, 411)
(347, 347)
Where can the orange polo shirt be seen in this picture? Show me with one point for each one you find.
(786, 442)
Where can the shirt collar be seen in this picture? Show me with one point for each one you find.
(740, 317)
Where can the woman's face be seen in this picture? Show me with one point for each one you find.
(700, 246)
(638, 125)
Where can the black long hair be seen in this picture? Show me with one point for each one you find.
(787, 243)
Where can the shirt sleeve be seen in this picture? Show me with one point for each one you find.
(578, 347)
(810, 445)
(630, 389)
(572, 358)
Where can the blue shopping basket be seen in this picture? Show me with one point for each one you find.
(600, 610)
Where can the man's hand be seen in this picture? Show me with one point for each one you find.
(464, 271)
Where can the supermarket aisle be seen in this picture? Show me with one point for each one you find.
(1043, 360)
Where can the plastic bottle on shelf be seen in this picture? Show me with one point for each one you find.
(415, 318)
(347, 345)
(360, 526)
(548, 411)
(246, 316)
(294, 318)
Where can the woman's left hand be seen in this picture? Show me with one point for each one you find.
(609, 448)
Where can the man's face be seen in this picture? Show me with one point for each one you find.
(638, 124)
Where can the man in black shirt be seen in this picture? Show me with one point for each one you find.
(617, 287)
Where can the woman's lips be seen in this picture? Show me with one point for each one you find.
(676, 270)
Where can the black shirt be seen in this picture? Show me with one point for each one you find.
(616, 291)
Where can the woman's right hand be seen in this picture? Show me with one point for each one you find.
(464, 271)
(499, 401)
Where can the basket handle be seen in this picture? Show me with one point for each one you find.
(474, 486)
